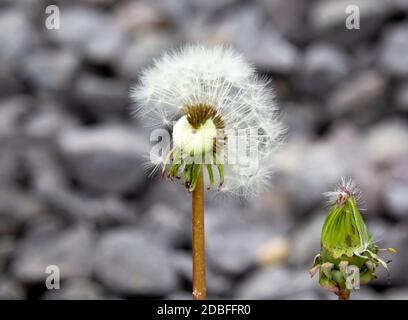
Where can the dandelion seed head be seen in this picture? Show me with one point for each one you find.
(237, 99)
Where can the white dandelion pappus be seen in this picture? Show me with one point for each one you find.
(344, 189)
(211, 93)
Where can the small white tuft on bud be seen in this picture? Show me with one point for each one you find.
(343, 191)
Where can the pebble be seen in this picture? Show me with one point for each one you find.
(233, 240)
(393, 50)
(323, 66)
(106, 158)
(11, 289)
(129, 262)
(50, 70)
(332, 13)
(70, 250)
(360, 94)
(402, 97)
(75, 289)
(101, 97)
(274, 283)
(385, 142)
(90, 32)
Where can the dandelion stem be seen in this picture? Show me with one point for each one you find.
(199, 286)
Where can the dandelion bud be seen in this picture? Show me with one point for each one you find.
(348, 255)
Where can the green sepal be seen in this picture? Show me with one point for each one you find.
(195, 172)
(210, 175)
(344, 231)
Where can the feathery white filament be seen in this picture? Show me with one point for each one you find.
(345, 188)
(221, 78)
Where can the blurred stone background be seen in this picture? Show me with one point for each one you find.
(73, 191)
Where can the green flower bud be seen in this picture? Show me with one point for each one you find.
(348, 255)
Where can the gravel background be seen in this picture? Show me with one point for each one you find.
(73, 192)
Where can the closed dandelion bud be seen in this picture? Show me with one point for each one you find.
(348, 256)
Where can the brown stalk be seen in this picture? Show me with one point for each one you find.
(198, 245)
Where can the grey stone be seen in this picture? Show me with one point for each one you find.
(274, 283)
(332, 13)
(396, 200)
(17, 208)
(9, 83)
(127, 261)
(305, 244)
(365, 293)
(385, 142)
(70, 250)
(323, 165)
(140, 53)
(320, 170)
(22, 115)
(17, 2)
(263, 45)
(397, 294)
(45, 170)
(395, 190)
(393, 50)
(301, 119)
(75, 289)
(140, 17)
(310, 295)
(100, 2)
(17, 38)
(7, 244)
(270, 208)
(47, 120)
(362, 93)
(177, 11)
(105, 210)
(90, 32)
(234, 238)
(273, 53)
(106, 158)
(217, 284)
(12, 111)
(397, 238)
(399, 4)
(324, 65)
(212, 4)
(11, 290)
(288, 16)
(246, 30)
(168, 194)
(180, 296)
(402, 97)
(170, 226)
(50, 70)
(9, 167)
(101, 97)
